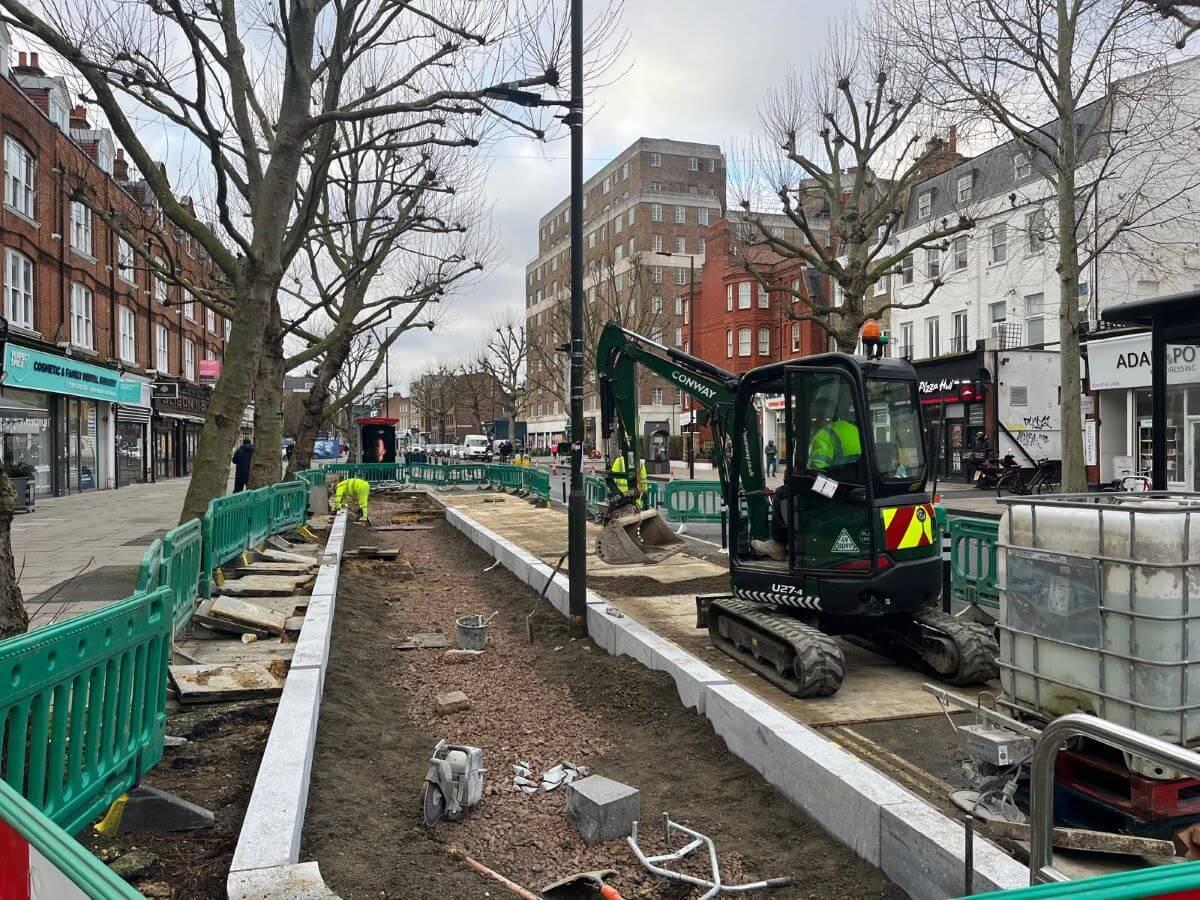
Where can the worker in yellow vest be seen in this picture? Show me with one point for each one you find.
(352, 490)
(622, 482)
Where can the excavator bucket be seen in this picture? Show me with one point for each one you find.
(640, 537)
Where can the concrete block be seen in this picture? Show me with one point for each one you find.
(602, 809)
(312, 646)
(302, 881)
(450, 702)
(271, 829)
(631, 638)
(327, 580)
(921, 850)
(601, 628)
(736, 716)
(692, 677)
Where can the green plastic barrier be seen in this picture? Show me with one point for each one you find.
(183, 552)
(261, 511)
(83, 707)
(80, 866)
(653, 498)
(226, 525)
(372, 472)
(973, 561)
(505, 476)
(536, 481)
(693, 501)
(289, 505)
(311, 477)
(150, 571)
(595, 493)
(1176, 882)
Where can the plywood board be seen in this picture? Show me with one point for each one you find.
(237, 610)
(266, 585)
(223, 683)
(209, 652)
(277, 568)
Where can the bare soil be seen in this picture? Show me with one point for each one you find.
(554, 700)
(215, 769)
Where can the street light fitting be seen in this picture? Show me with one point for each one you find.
(521, 98)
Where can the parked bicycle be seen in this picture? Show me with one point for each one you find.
(990, 471)
(1043, 478)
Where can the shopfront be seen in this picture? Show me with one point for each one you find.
(57, 414)
(179, 412)
(133, 440)
(1119, 377)
(952, 405)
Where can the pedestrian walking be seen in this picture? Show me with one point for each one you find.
(772, 459)
(241, 465)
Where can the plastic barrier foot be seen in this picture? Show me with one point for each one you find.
(145, 808)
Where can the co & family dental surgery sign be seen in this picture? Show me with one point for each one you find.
(38, 371)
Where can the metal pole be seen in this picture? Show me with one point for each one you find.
(576, 503)
(692, 350)
(1158, 406)
(969, 856)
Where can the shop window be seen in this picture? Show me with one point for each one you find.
(18, 289)
(82, 330)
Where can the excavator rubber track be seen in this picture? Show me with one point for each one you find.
(799, 658)
(951, 650)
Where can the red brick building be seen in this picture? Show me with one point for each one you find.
(738, 324)
(103, 358)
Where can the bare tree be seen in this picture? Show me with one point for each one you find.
(855, 135)
(260, 91)
(395, 232)
(1185, 12)
(503, 359)
(433, 396)
(1082, 88)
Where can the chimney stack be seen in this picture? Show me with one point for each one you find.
(79, 117)
(21, 59)
(121, 166)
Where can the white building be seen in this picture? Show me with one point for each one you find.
(1000, 291)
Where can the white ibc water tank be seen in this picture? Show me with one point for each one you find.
(1100, 609)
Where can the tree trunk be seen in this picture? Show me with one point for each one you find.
(1074, 474)
(210, 468)
(317, 400)
(267, 466)
(13, 617)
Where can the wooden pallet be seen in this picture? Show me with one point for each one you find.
(1111, 783)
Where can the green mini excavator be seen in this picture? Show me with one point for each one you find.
(848, 544)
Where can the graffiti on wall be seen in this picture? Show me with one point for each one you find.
(1033, 432)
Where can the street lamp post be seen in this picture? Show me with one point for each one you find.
(691, 308)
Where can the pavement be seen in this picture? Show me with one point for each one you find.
(78, 553)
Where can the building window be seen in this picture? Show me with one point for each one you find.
(679, 306)
(618, 252)
(656, 160)
(1035, 227)
(126, 341)
(82, 332)
(655, 212)
(624, 171)
(160, 349)
(619, 281)
(189, 306)
(656, 185)
(656, 306)
(160, 283)
(19, 166)
(211, 319)
(680, 245)
(960, 253)
(743, 342)
(656, 243)
(631, 217)
(906, 340)
(700, 246)
(998, 311)
(1021, 166)
(678, 337)
(656, 396)
(189, 360)
(881, 285)
(681, 276)
(607, 182)
(617, 223)
(59, 114)
(81, 227)
(743, 295)
(656, 275)
(960, 333)
(702, 216)
(687, 312)
(906, 270)
(933, 337)
(712, 166)
(764, 342)
(963, 188)
(18, 296)
(104, 159)
(228, 328)
(693, 164)
(125, 260)
(729, 344)
(795, 337)
(999, 236)
(764, 298)
(729, 298)
(680, 215)
(924, 204)
(933, 262)
(1035, 330)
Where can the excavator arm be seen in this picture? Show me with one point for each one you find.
(712, 389)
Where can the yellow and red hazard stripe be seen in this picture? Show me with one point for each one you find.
(907, 527)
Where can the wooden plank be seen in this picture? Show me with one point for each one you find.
(287, 556)
(286, 605)
(222, 683)
(266, 585)
(252, 614)
(276, 568)
(1080, 839)
(210, 652)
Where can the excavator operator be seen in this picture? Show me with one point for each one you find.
(617, 470)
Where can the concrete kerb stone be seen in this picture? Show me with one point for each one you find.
(912, 843)
(268, 848)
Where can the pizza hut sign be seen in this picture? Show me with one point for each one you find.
(1124, 362)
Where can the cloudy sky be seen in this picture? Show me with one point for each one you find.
(696, 70)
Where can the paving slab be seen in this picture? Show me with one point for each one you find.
(265, 585)
(277, 568)
(225, 683)
(287, 556)
(252, 614)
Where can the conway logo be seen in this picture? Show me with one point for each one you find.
(693, 384)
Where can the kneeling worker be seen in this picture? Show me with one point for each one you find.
(357, 490)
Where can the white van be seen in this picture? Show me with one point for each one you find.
(477, 447)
